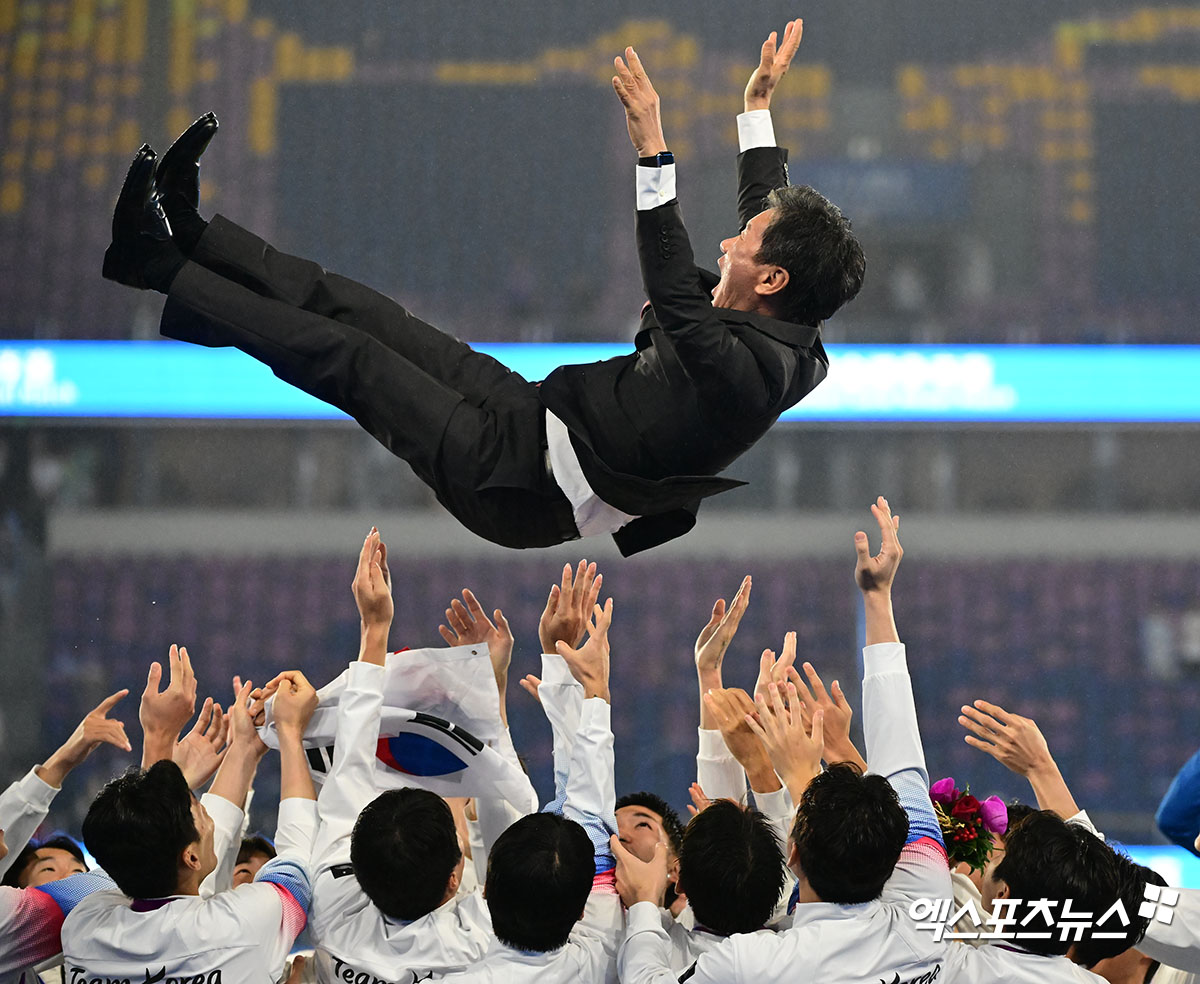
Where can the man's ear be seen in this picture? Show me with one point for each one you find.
(189, 858)
(772, 281)
(1002, 890)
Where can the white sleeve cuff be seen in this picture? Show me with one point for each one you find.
(712, 745)
(755, 129)
(35, 791)
(884, 657)
(643, 917)
(556, 673)
(655, 186)
(364, 676)
(226, 816)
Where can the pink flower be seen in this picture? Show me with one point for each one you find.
(943, 792)
(994, 814)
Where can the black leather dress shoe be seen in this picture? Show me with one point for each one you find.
(178, 176)
(141, 253)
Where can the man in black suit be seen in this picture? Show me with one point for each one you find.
(628, 446)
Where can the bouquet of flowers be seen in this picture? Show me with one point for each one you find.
(968, 825)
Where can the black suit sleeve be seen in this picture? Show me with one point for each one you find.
(760, 171)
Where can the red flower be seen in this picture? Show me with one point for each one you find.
(966, 808)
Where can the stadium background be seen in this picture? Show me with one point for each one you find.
(1018, 173)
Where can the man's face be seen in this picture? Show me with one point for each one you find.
(989, 888)
(50, 864)
(244, 873)
(204, 846)
(740, 271)
(640, 830)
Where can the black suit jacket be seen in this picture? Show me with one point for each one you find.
(654, 428)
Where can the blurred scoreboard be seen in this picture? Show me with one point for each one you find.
(994, 384)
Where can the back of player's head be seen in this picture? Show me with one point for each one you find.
(539, 875)
(848, 834)
(810, 238)
(731, 868)
(403, 849)
(138, 827)
(1047, 858)
(1130, 887)
(671, 824)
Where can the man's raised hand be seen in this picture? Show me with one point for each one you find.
(838, 715)
(199, 753)
(875, 574)
(643, 116)
(1018, 744)
(795, 754)
(372, 584)
(637, 880)
(715, 637)
(163, 714)
(729, 709)
(295, 701)
(95, 729)
(772, 670)
(470, 625)
(565, 617)
(589, 663)
(773, 65)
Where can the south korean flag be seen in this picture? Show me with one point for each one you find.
(440, 728)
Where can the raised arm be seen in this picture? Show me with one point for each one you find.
(590, 798)
(718, 771)
(469, 625)
(761, 164)
(1017, 743)
(163, 714)
(893, 739)
(25, 803)
(350, 784)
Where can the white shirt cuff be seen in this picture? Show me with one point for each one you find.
(35, 791)
(712, 745)
(755, 129)
(655, 186)
(556, 673)
(884, 657)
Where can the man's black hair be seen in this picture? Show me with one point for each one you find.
(138, 827)
(731, 868)
(403, 849)
(1018, 811)
(1047, 858)
(810, 238)
(539, 875)
(17, 870)
(848, 834)
(253, 846)
(1132, 879)
(672, 825)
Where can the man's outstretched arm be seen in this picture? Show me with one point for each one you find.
(762, 164)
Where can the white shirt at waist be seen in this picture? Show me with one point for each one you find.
(593, 516)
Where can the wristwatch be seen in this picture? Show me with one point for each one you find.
(657, 160)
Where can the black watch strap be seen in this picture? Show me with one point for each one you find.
(657, 160)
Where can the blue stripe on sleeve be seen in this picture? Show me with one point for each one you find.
(911, 787)
(69, 892)
(289, 875)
